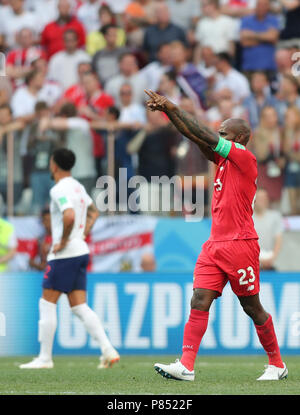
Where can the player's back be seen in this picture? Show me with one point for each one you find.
(68, 193)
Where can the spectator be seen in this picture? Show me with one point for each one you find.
(106, 61)
(225, 108)
(214, 29)
(156, 157)
(77, 138)
(8, 244)
(148, 263)
(63, 64)
(288, 93)
(87, 13)
(267, 146)
(189, 79)
(268, 225)
(259, 35)
(259, 98)
(39, 260)
(206, 63)
(168, 87)
(134, 20)
(162, 32)
(154, 70)
(155, 147)
(52, 35)
(236, 8)
(94, 106)
(228, 77)
(39, 149)
(19, 60)
(291, 148)
(95, 39)
(16, 19)
(132, 118)
(190, 162)
(184, 13)
(290, 34)
(7, 126)
(129, 73)
(76, 93)
(130, 112)
(45, 11)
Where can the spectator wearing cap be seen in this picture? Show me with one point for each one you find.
(52, 38)
(259, 35)
(163, 31)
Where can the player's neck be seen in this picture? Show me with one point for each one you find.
(61, 175)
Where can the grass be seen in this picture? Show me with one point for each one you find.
(134, 375)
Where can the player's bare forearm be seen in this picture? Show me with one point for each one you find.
(181, 126)
(91, 217)
(187, 124)
(68, 223)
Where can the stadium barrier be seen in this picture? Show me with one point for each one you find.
(146, 313)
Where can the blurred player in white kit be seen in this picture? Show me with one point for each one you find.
(73, 214)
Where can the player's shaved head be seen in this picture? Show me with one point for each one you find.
(238, 129)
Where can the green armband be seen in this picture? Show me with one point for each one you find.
(223, 147)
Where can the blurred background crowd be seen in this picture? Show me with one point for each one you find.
(75, 71)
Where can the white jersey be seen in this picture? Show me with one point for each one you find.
(69, 193)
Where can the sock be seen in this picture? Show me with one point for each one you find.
(193, 332)
(267, 337)
(46, 328)
(92, 324)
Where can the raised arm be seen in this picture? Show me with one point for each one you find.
(188, 125)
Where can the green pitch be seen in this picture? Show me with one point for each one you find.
(218, 375)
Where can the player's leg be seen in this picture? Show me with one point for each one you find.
(46, 330)
(266, 333)
(194, 331)
(209, 281)
(92, 323)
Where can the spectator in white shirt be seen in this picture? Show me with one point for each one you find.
(129, 73)
(269, 227)
(228, 77)
(16, 19)
(63, 65)
(154, 70)
(214, 29)
(46, 11)
(88, 15)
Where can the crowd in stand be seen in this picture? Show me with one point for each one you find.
(76, 73)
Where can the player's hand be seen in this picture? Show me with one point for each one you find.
(59, 247)
(158, 102)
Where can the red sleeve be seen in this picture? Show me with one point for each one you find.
(10, 58)
(241, 156)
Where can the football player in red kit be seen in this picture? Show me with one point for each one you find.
(232, 251)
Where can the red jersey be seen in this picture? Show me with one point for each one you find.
(234, 193)
(52, 35)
